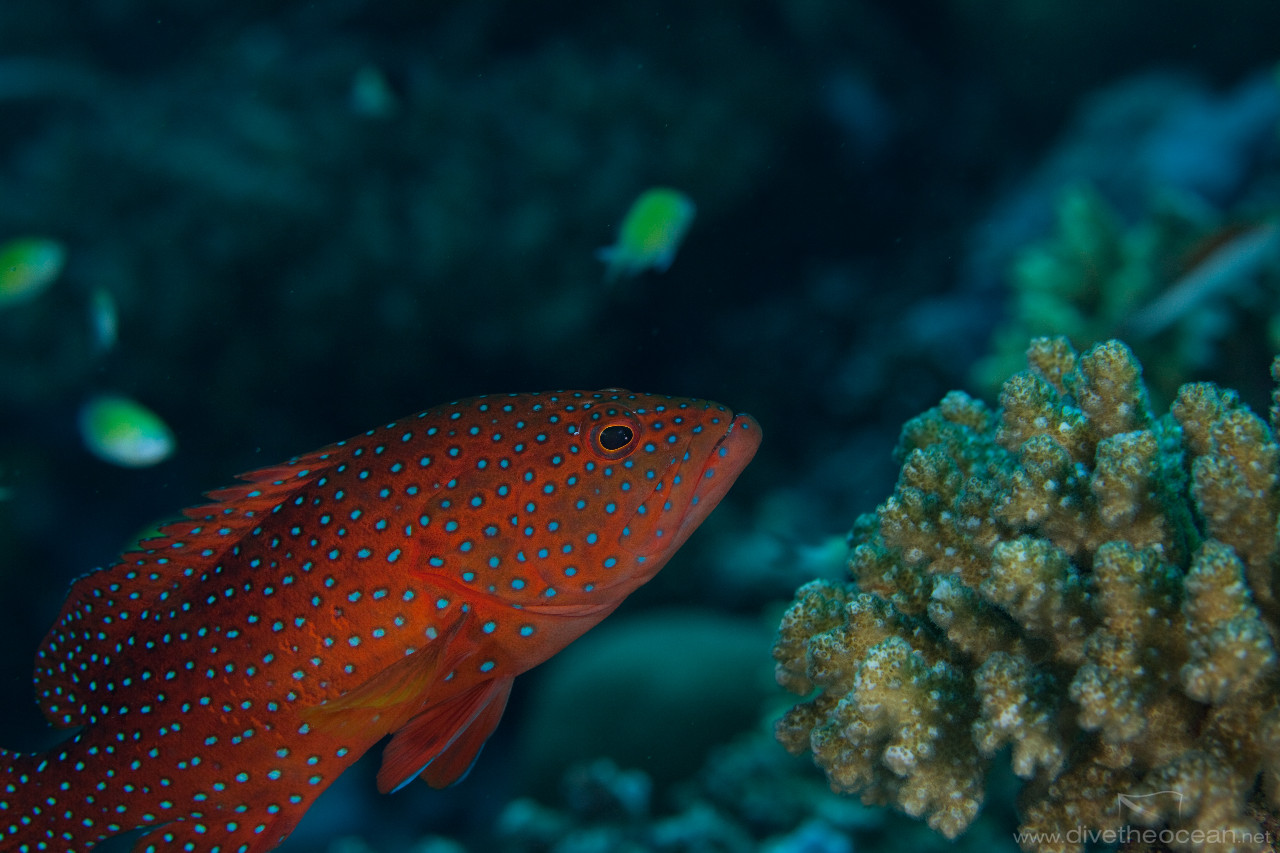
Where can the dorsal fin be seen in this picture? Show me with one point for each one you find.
(233, 511)
(103, 607)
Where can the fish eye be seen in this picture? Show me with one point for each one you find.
(614, 439)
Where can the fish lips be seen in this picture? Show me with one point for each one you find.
(693, 488)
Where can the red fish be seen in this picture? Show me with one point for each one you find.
(226, 672)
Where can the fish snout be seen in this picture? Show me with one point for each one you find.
(701, 482)
(721, 467)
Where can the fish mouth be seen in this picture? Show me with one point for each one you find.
(697, 481)
(720, 468)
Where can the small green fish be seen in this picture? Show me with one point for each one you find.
(124, 432)
(28, 266)
(650, 234)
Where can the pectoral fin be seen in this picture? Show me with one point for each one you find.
(389, 699)
(441, 743)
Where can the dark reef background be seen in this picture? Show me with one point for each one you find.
(316, 217)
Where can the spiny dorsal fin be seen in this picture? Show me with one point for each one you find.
(103, 607)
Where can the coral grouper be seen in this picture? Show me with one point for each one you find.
(227, 672)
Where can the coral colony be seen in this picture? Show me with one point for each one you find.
(1070, 578)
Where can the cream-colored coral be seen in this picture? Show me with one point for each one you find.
(1231, 649)
(1071, 580)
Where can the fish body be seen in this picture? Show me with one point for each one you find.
(1226, 260)
(28, 265)
(104, 320)
(223, 674)
(124, 432)
(650, 234)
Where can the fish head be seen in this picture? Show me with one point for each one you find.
(559, 502)
(673, 458)
(616, 483)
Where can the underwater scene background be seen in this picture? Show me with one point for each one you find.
(279, 224)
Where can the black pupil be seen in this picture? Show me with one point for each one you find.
(615, 437)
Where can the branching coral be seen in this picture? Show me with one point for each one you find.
(1073, 580)
(1175, 284)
